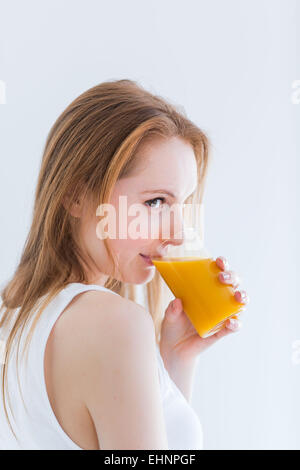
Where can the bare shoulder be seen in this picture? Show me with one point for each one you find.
(97, 319)
(91, 321)
(95, 309)
(111, 351)
(87, 341)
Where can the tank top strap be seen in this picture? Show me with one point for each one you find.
(61, 301)
(58, 305)
(55, 308)
(35, 365)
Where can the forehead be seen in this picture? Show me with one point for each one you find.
(167, 163)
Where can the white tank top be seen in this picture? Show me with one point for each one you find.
(38, 428)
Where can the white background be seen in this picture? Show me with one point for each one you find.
(231, 64)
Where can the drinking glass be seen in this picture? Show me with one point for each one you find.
(191, 273)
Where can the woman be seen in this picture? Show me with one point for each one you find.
(100, 370)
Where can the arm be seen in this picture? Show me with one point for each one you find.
(121, 384)
(181, 371)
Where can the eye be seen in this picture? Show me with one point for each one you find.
(151, 201)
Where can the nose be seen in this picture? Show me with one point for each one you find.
(168, 244)
(175, 239)
(172, 228)
(178, 238)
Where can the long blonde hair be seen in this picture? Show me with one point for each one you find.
(91, 145)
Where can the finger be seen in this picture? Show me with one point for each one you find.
(229, 277)
(242, 296)
(222, 263)
(233, 324)
(220, 334)
(230, 327)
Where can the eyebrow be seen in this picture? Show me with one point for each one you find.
(151, 191)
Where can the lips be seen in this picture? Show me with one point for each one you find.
(146, 258)
(156, 255)
(150, 256)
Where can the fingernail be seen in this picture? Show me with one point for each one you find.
(225, 262)
(234, 323)
(244, 296)
(225, 276)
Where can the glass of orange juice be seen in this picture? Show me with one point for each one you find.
(192, 275)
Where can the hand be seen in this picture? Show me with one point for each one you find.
(179, 337)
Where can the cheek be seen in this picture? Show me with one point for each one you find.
(133, 225)
(147, 226)
(94, 246)
(161, 223)
(127, 248)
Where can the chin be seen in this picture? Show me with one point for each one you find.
(147, 276)
(141, 277)
(139, 272)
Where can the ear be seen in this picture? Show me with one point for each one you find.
(74, 207)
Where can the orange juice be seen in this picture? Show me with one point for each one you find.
(207, 302)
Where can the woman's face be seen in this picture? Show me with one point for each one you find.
(165, 174)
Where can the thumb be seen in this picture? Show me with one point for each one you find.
(174, 309)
